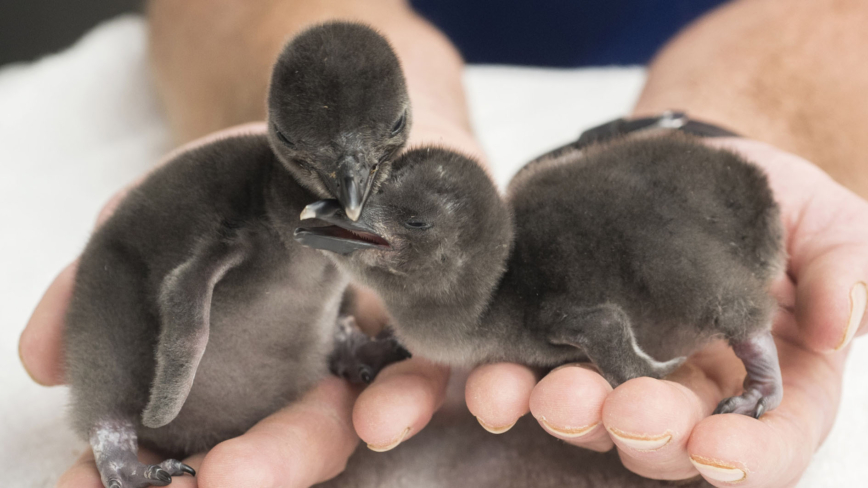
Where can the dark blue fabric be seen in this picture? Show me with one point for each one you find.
(561, 32)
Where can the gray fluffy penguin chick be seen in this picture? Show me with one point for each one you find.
(632, 254)
(196, 276)
(338, 111)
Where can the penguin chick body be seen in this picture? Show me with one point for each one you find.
(197, 263)
(196, 275)
(632, 254)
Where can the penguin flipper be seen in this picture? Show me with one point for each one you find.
(605, 334)
(185, 306)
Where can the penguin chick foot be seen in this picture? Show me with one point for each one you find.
(605, 334)
(763, 386)
(357, 357)
(114, 445)
(138, 475)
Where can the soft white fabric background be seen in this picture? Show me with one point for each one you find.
(76, 126)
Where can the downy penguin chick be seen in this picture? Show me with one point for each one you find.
(194, 276)
(632, 254)
(201, 254)
(338, 111)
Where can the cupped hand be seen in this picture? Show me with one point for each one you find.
(663, 428)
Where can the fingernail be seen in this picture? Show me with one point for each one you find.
(717, 470)
(391, 445)
(571, 432)
(493, 429)
(858, 302)
(640, 442)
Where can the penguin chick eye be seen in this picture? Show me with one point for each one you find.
(399, 124)
(283, 138)
(417, 225)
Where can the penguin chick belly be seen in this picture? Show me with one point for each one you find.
(272, 328)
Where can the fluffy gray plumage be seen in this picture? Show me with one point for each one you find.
(632, 254)
(338, 111)
(200, 254)
(196, 275)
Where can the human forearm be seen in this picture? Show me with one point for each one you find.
(212, 61)
(792, 74)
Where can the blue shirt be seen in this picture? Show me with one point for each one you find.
(565, 33)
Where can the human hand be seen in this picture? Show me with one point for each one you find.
(663, 428)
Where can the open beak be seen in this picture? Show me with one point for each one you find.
(354, 183)
(343, 236)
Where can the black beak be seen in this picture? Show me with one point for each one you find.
(343, 236)
(353, 181)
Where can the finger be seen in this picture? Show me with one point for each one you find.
(41, 343)
(83, 473)
(775, 450)
(305, 443)
(399, 403)
(650, 422)
(568, 404)
(499, 394)
(831, 297)
(827, 241)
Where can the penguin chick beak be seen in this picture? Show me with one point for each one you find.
(343, 236)
(353, 186)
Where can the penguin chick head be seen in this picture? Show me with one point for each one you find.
(338, 111)
(436, 222)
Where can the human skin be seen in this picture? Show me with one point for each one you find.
(759, 67)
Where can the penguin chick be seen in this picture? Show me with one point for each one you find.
(196, 276)
(432, 242)
(338, 111)
(632, 254)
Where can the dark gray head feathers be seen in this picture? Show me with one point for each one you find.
(338, 109)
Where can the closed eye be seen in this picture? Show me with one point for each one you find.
(283, 138)
(399, 124)
(417, 224)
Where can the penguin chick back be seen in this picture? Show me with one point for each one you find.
(683, 237)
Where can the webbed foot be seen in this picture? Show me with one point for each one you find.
(357, 357)
(133, 474)
(763, 386)
(115, 446)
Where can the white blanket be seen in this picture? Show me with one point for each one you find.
(76, 126)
